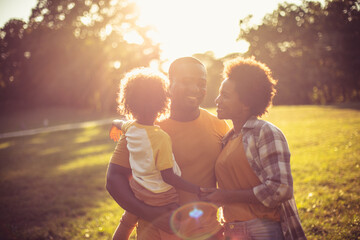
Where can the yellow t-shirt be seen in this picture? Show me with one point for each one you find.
(196, 145)
(233, 172)
(150, 152)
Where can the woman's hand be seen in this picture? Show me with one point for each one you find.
(217, 196)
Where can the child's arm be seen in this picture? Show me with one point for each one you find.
(174, 180)
(118, 123)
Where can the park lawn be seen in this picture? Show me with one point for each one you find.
(52, 186)
(11, 121)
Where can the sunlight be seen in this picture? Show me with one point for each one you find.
(84, 160)
(187, 27)
(106, 31)
(87, 135)
(49, 151)
(86, 20)
(133, 37)
(117, 64)
(6, 145)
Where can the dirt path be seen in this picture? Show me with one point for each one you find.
(55, 128)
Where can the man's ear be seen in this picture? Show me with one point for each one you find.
(170, 90)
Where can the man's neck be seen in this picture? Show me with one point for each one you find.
(184, 116)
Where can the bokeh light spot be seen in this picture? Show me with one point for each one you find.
(196, 220)
(196, 213)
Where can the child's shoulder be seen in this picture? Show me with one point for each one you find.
(127, 124)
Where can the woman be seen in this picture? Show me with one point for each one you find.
(253, 169)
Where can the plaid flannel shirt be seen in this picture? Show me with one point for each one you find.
(268, 154)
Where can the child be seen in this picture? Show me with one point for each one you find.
(143, 97)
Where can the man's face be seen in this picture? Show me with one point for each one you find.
(188, 87)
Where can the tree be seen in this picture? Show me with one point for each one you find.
(214, 69)
(312, 50)
(72, 53)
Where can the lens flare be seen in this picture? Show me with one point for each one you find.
(197, 220)
(196, 213)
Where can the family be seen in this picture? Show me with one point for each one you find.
(172, 153)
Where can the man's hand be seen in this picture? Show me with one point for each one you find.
(164, 214)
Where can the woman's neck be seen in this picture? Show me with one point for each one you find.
(239, 123)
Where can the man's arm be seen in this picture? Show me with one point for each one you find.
(117, 184)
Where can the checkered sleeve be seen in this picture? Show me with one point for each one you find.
(276, 178)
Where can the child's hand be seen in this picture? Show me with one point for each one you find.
(216, 196)
(115, 133)
(204, 192)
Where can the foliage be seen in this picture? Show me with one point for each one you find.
(313, 50)
(72, 53)
(53, 184)
(214, 69)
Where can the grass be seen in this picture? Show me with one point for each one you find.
(52, 186)
(42, 117)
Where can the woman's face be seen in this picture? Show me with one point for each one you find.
(228, 105)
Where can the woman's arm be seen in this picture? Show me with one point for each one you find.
(174, 180)
(277, 185)
(274, 155)
(222, 196)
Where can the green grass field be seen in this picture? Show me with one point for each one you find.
(53, 185)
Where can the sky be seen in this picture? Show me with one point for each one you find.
(183, 27)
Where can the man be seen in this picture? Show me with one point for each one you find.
(196, 140)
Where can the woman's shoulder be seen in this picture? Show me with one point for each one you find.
(261, 126)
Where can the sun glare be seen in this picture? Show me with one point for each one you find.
(187, 27)
(133, 37)
(117, 64)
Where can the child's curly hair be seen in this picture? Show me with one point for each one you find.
(144, 94)
(253, 82)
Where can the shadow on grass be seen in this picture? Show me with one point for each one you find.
(49, 179)
(351, 106)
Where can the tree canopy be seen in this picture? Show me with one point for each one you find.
(312, 49)
(72, 53)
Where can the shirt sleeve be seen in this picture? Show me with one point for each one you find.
(164, 157)
(274, 154)
(125, 126)
(121, 153)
